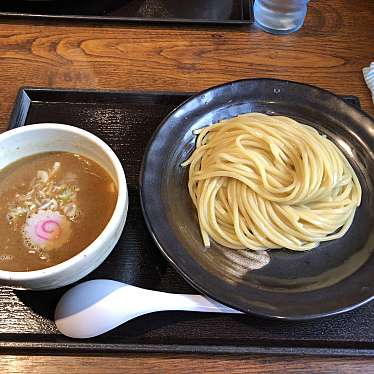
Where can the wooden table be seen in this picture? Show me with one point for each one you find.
(336, 42)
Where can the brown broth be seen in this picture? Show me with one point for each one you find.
(94, 199)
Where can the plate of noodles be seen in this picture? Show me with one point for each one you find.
(260, 193)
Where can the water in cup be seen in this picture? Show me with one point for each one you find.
(280, 16)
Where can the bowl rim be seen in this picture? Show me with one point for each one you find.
(114, 221)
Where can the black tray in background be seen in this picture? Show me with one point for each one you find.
(143, 11)
(126, 121)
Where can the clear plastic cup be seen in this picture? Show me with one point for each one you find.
(280, 16)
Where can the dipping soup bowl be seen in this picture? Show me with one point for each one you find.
(51, 137)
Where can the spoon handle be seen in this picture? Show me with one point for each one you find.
(193, 303)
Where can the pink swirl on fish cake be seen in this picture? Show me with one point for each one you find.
(46, 229)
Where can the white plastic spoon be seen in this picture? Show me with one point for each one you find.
(95, 307)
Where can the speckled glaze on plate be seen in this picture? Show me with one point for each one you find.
(333, 278)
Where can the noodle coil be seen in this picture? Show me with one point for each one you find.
(263, 182)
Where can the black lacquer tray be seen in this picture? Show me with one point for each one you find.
(143, 11)
(126, 120)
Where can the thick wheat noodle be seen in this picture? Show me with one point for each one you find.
(260, 181)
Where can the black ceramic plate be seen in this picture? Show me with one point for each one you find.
(335, 277)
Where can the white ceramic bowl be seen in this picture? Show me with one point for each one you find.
(28, 140)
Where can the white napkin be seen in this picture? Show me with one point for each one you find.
(369, 77)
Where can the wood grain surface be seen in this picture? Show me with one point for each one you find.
(183, 365)
(336, 42)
